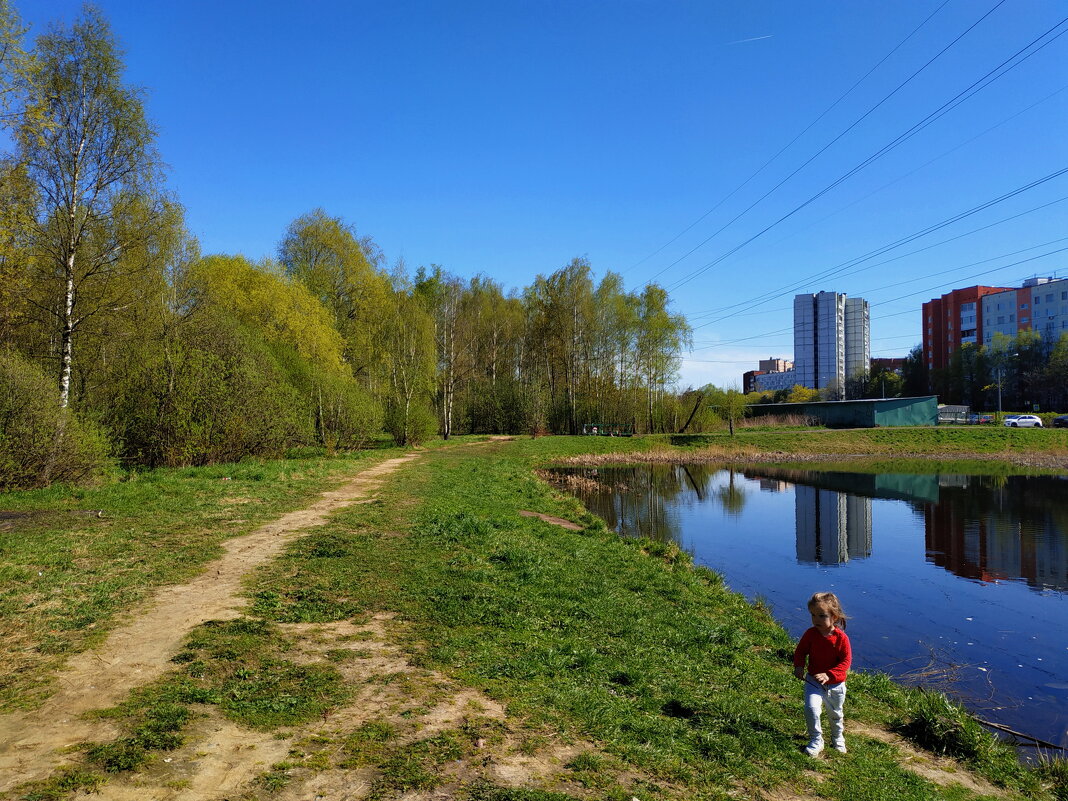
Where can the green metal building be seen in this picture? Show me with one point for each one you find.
(874, 413)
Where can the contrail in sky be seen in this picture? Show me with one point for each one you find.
(754, 39)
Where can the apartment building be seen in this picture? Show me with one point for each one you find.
(976, 314)
(956, 318)
(1041, 305)
(832, 339)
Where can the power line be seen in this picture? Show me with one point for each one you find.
(777, 293)
(789, 144)
(1051, 95)
(838, 269)
(977, 86)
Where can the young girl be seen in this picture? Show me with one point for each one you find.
(826, 647)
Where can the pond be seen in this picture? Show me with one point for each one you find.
(955, 582)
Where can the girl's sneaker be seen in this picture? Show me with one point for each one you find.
(839, 745)
(814, 748)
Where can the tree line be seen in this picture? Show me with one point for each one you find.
(121, 339)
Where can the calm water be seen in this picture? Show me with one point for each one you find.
(953, 581)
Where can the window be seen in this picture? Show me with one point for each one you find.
(1049, 298)
(1023, 305)
(1064, 296)
(1001, 319)
(1025, 319)
(1012, 318)
(1038, 299)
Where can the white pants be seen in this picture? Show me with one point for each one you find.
(815, 697)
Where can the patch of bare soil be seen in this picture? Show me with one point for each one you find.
(937, 770)
(31, 743)
(556, 521)
(221, 760)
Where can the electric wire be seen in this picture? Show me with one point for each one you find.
(774, 294)
(1051, 95)
(788, 145)
(839, 269)
(996, 73)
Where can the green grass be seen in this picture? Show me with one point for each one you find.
(676, 678)
(72, 559)
(942, 441)
(682, 687)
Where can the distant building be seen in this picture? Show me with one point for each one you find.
(1041, 305)
(952, 320)
(749, 383)
(975, 314)
(772, 382)
(832, 339)
(774, 365)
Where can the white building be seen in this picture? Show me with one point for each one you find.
(832, 339)
(1041, 305)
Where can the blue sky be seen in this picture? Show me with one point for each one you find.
(506, 138)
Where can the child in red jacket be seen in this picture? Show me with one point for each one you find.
(826, 647)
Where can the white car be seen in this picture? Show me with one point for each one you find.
(1023, 421)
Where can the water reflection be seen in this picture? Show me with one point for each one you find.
(1008, 529)
(966, 573)
(984, 528)
(832, 527)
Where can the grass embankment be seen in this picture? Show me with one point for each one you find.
(1033, 446)
(71, 560)
(969, 446)
(666, 684)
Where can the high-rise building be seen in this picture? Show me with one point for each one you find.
(832, 339)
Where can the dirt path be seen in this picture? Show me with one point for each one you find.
(31, 743)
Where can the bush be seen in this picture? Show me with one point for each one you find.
(342, 413)
(214, 394)
(410, 424)
(40, 443)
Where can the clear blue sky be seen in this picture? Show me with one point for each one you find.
(506, 138)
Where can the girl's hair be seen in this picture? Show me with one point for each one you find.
(831, 602)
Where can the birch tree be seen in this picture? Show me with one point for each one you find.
(93, 163)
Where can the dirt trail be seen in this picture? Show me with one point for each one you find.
(139, 651)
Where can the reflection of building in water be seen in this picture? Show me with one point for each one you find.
(832, 527)
(773, 485)
(996, 544)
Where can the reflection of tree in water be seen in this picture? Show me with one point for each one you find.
(635, 500)
(731, 498)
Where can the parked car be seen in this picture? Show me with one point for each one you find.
(1023, 421)
(1061, 421)
(977, 419)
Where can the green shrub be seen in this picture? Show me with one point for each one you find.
(40, 443)
(213, 394)
(410, 423)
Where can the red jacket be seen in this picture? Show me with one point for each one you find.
(831, 655)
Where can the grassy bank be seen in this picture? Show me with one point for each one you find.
(661, 682)
(684, 686)
(942, 441)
